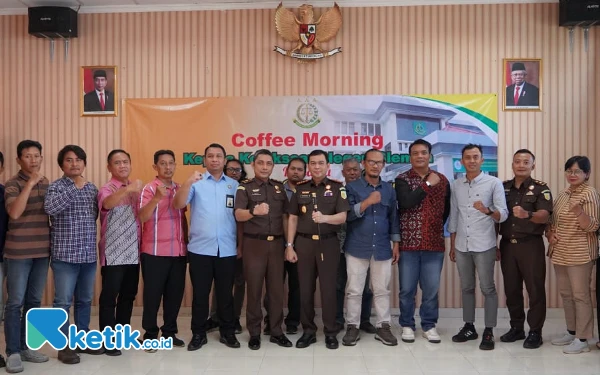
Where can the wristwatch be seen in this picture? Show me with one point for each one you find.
(490, 212)
(289, 244)
(529, 215)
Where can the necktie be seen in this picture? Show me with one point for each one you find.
(516, 96)
(102, 100)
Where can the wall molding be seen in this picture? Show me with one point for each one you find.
(232, 5)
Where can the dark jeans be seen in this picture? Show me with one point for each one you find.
(164, 278)
(74, 284)
(119, 288)
(25, 283)
(204, 269)
(367, 297)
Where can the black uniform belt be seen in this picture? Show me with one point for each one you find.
(317, 236)
(522, 239)
(264, 237)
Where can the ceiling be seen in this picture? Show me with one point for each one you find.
(112, 6)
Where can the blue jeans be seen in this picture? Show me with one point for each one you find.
(367, 298)
(25, 283)
(74, 280)
(423, 268)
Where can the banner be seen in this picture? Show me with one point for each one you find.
(344, 126)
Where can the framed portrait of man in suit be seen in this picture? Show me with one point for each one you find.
(99, 91)
(522, 80)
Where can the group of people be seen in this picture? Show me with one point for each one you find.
(248, 233)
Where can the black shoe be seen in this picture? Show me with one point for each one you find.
(112, 352)
(533, 341)
(254, 343)
(368, 327)
(197, 342)
(281, 341)
(211, 325)
(267, 330)
(90, 351)
(306, 340)
(487, 342)
(230, 340)
(177, 342)
(2, 361)
(290, 330)
(331, 342)
(465, 334)
(513, 335)
(238, 326)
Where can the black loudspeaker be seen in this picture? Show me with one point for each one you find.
(579, 13)
(52, 22)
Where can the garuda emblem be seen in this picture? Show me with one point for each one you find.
(306, 32)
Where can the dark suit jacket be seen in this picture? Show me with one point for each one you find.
(91, 103)
(528, 97)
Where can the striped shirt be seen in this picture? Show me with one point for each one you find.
(116, 225)
(29, 235)
(163, 233)
(576, 245)
(73, 213)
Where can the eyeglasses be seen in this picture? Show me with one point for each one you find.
(574, 172)
(374, 163)
(234, 170)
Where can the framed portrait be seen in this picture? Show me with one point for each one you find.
(522, 80)
(99, 91)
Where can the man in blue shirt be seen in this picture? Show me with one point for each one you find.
(212, 248)
(372, 223)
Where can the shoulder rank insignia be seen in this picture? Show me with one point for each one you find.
(302, 182)
(540, 182)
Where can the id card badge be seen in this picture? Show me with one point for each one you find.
(229, 201)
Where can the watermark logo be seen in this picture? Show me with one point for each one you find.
(43, 326)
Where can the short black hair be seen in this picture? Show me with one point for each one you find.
(117, 151)
(524, 151)
(215, 145)
(27, 144)
(75, 149)
(420, 142)
(297, 159)
(263, 151)
(158, 153)
(1, 159)
(317, 153)
(243, 175)
(99, 73)
(371, 150)
(582, 161)
(471, 146)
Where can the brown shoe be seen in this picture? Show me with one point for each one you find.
(68, 357)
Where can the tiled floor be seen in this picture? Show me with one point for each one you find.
(368, 357)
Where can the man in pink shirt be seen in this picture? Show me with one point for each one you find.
(163, 250)
(119, 244)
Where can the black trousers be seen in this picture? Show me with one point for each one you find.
(164, 279)
(119, 288)
(318, 259)
(525, 262)
(205, 269)
(293, 302)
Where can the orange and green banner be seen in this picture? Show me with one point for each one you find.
(344, 126)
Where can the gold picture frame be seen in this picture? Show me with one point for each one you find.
(99, 91)
(522, 82)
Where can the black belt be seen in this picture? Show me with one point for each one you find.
(317, 237)
(264, 237)
(522, 239)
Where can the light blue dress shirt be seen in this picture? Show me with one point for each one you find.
(475, 231)
(213, 227)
